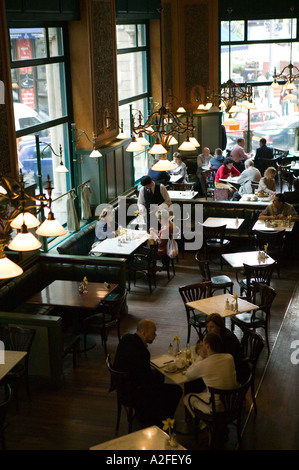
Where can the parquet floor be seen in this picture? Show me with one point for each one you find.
(83, 413)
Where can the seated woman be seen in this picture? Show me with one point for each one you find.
(223, 172)
(267, 183)
(181, 168)
(106, 226)
(165, 232)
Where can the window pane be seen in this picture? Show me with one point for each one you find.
(27, 43)
(131, 74)
(236, 31)
(271, 29)
(141, 30)
(256, 62)
(55, 42)
(40, 89)
(126, 36)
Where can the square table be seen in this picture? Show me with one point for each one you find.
(65, 294)
(152, 438)
(8, 360)
(187, 194)
(236, 260)
(231, 223)
(217, 304)
(123, 245)
(279, 225)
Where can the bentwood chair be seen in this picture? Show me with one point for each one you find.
(258, 318)
(221, 282)
(18, 339)
(252, 345)
(119, 383)
(192, 292)
(276, 243)
(253, 275)
(214, 242)
(230, 412)
(5, 398)
(107, 318)
(144, 262)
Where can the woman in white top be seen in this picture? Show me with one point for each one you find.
(267, 183)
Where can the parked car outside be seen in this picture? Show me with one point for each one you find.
(26, 145)
(279, 133)
(257, 118)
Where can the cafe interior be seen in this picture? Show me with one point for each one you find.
(94, 94)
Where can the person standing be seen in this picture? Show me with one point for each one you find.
(152, 196)
(154, 401)
(239, 155)
(263, 153)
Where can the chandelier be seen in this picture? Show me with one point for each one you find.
(289, 74)
(18, 209)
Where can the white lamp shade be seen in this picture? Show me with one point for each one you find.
(194, 141)
(290, 97)
(9, 269)
(25, 218)
(173, 141)
(230, 122)
(122, 135)
(24, 242)
(187, 146)
(2, 190)
(51, 228)
(95, 154)
(234, 109)
(61, 168)
(181, 109)
(134, 146)
(163, 165)
(157, 149)
(251, 105)
(275, 85)
(290, 86)
(143, 141)
(208, 106)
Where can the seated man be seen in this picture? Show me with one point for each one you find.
(154, 400)
(248, 176)
(217, 160)
(279, 209)
(216, 369)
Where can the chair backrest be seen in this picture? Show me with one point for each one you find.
(181, 186)
(267, 295)
(4, 403)
(256, 275)
(16, 338)
(232, 401)
(114, 307)
(214, 233)
(274, 239)
(209, 177)
(197, 291)
(204, 267)
(119, 383)
(252, 345)
(254, 186)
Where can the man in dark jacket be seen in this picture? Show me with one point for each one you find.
(263, 156)
(154, 400)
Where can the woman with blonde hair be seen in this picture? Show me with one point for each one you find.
(106, 226)
(267, 183)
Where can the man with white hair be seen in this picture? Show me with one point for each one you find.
(248, 176)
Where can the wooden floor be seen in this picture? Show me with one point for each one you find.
(83, 413)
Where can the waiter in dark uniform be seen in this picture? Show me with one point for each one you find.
(152, 196)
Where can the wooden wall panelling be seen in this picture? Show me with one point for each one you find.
(119, 170)
(8, 151)
(101, 14)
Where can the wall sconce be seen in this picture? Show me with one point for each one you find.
(21, 219)
(95, 153)
(109, 120)
(61, 168)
